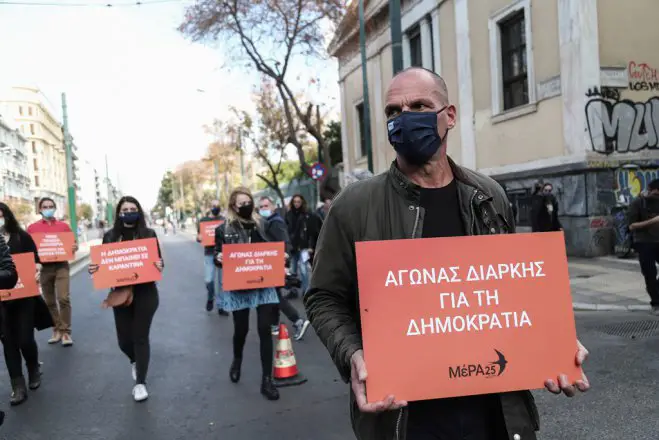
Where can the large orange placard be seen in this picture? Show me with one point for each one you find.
(27, 283)
(207, 231)
(445, 317)
(253, 266)
(54, 246)
(125, 263)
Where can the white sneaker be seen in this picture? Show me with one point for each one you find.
(139, 393)
(134, 370)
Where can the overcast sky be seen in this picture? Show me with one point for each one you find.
(132, 82)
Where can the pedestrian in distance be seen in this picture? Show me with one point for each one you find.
(275, 230)
(243, 225)
(424, 194)
(18, 317)
(303, 226)
(212, 273)
(8, 279)
(133, 306)
(55, 277)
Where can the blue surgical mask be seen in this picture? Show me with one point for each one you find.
(414, 136)
(265, 213)
(130, 218)
(48, 213)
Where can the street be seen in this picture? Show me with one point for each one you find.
(86, 391)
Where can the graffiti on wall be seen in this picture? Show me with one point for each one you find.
(617, 125)
(631, 182)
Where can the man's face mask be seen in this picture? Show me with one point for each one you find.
(414, 135)
(48, 212)
(215, 210)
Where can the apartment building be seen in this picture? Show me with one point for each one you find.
(560, 91)
(38, 122)
(88, 189)
(14, 171)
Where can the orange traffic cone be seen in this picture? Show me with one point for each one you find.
(286, 373)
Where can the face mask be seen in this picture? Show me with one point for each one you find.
(130, 218)
(215, 211)
(414, 136)
(245, 211)
(265, 213)
(48, 213)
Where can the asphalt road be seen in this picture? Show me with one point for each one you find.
(86, 391)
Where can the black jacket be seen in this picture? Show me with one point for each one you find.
(22, 242)
(275, 230)
(8, 274)
(234, 233)
(387, 207)
(303, 230)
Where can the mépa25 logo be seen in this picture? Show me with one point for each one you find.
(490, 369)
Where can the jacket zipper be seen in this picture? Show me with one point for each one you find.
(400, 417)
(471, 208)
(416, 222)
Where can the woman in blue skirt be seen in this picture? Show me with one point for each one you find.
(244, 226)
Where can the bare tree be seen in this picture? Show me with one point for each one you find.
(269, 34)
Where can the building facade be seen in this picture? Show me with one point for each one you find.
(559, 91)
(37, 120)
(88, 190)
(14, 170)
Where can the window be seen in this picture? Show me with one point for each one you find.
(416, 54)
(31, 128)
(36, 180)
(29, 111)
(362, 135)
(514, 73)
(511, 59)
(34, 147)
(20, 110)
(36, 166)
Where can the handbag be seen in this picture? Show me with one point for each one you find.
(42, 318)
(119, 297)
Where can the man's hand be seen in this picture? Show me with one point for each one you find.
(198, 238)
(563, 385)
(218, 257)
(160, 265)
(92, 269)
(358, 376)
(75, 247)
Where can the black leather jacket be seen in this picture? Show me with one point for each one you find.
(387, 207)
(8, 274)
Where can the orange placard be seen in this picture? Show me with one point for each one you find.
(253, 266)
(207, 231)
(125, 263)
(54, 246)
(445, 317)
(27, 284)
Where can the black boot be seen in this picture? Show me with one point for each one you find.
(19, 391)
(268, 389)
(34, 377)
(234, 372)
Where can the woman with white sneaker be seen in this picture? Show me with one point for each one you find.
(134, 306)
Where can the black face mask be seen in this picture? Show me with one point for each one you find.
(414, 136)
(215, 211)
(246, 211)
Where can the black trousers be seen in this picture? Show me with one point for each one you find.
(18, 336)
(264, 314)
(133, 325)
(286, 308)
(648, 257)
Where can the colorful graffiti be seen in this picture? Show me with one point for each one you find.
(632, 182)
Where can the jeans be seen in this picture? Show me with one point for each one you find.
(286, 308)
(296, 263)
(213, 280)
(648, 257)
(55, 281)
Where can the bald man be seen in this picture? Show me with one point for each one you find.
(424, 194)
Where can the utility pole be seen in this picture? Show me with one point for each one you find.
(73, 217)
(396, 35)
(108, 204)
(366, 104)
(217, 179)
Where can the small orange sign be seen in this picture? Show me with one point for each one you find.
(446, 317)
(253, 266)
(125, 263)
(207, 232)
(27, 283)
(54, 246)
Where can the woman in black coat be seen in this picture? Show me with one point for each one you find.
(18, 317)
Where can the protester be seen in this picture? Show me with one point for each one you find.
(55, 277)
(322, 211)
(643, 220)
(133, 306)
(212, 273)
(18, 316)
(275, 230)
(544, 209)
(8, 279)
(244, 226)
(303, 226)
(424, 194)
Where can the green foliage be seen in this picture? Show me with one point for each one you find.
(332, 135)
(165, 193)
(85, 212)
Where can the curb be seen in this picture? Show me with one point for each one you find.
(609, 307)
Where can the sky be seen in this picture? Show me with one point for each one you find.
(137, 90)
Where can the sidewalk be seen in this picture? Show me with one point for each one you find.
(607, 284)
